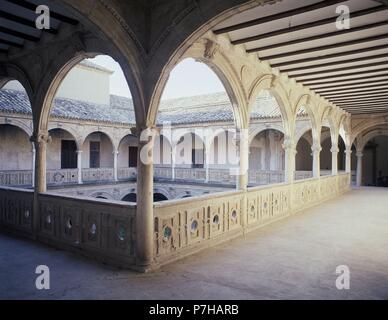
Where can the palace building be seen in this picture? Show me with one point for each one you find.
(141, 182)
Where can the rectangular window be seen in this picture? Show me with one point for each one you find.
(68, 154)
(132, 157)
(94, 154)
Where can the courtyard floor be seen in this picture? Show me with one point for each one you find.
(295, 258)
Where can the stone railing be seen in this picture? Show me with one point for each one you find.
(162, 172)
(185, 226)
(301, 175)
(62, 176)
(16, 178)
(101, 229)
(97, 174)
(105, 229)
(126, 173)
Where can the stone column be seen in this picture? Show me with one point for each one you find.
(173, 163)
(359, 155)
(115, 168)
(242, 144)
(334, 160)
(316, 152)
(144, 213)
(207, 164)
(33, 154)
(348, 160)
(79, 166)
(289, 157)
(40, 141)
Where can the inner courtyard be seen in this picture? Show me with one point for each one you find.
(235, 148)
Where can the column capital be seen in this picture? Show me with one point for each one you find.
(316, 148)
(334, 149)
(41, 137)
(359, 154)
(79, 151)
(348, 151)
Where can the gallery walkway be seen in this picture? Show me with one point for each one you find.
(293, 258)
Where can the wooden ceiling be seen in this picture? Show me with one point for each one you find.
(348, 67)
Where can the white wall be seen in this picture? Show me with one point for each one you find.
(86, 84)
(15, 149)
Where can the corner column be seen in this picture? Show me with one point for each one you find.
(144, 210)
(79, 166)
(359, 155)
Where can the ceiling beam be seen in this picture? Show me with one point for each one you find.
(277, 16)
(343, 80)
(339, 75)
(355, 91)
(327, 56)
(358, 85)
(366, 65)
(18, 34)
(23, 21)
(366, 112)
(54, 15)
(335, 63)
(309, 25)
(11, 43)
(320, 37)
(366, 109)
(385, 101)
(362, 98)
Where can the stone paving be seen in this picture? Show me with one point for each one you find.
(292, 259)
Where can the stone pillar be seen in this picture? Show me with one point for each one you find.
(173, 163)
(242, 144)
(316, 152)
(334, 160)
(207, 165)
(33, 155)
(348, 160)
(79, 166)
(40, 141)
(289, 157)
(144, 213)
(115, 168)
(359, 155)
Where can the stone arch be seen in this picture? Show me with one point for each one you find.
(266, 150)
(108, 161)
(59, 69)
(18, 123)
(365, 125)
(268, 83)
(208, 52)
(69, 130)
(14, 72)
(258, 130)
(370, 135)
(130, 197)
(214, 156)
(305, 101)
(102, 195)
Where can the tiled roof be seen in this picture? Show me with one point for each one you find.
(197, 109)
